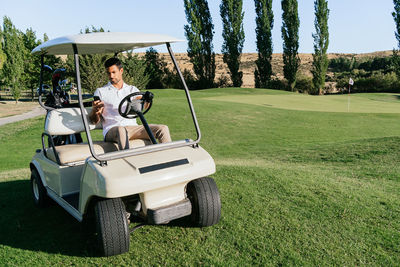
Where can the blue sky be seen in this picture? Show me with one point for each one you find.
(356, 26)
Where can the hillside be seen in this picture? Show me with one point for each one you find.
(248, 64)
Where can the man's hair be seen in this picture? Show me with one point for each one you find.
(113, 61)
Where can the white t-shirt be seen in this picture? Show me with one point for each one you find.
(111, 98)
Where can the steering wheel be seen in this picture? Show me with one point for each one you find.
(129, 107)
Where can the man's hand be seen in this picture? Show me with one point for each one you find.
(97, 110)
(146, 104)
(98, 107)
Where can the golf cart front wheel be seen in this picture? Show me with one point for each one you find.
(206, 203)
(39, 192)
(111, 227)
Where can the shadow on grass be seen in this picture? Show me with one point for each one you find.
(51, 229)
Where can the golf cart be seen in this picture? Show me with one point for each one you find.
(96, 182)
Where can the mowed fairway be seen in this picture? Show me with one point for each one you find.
(359, 103)
(302, 182)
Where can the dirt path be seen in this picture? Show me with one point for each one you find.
(10, 108)
(38, 111)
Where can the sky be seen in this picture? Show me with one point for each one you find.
(355, 26)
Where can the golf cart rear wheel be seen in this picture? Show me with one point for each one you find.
(111, 227)
(206, 204)
(39, 192)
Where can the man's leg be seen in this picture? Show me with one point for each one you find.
(160, 132)
(119, 135)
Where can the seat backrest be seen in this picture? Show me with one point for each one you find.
(65, 121)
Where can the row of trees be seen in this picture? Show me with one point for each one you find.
(199, 33)
(18, 67)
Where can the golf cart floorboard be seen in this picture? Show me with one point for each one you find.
(72, 199)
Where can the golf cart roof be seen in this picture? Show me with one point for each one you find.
(101, 42)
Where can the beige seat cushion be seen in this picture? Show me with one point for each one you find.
(79, 152)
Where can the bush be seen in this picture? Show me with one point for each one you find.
(342, 64)
(377, 63)
(304, 84)
(278, 84)
(377, 82)
(224, 81)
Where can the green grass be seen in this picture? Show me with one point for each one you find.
(359, 103)
(298, 186)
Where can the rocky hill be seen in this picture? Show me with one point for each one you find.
(248, 64)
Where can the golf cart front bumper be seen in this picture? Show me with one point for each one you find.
(166, 214)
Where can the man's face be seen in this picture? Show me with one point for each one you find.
(114, 74)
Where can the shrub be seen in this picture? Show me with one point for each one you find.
(278, 84)
(342, 64)
(377, 63)
(304, 84)
(377, 82)
(224, 81)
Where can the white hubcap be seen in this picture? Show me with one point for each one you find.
(35, 188)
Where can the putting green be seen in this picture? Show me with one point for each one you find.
(357, 103)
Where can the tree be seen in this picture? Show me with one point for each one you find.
(199, 33)
(321, 43)
(396, 56)
(233, 34)
(290, 36)
(13, 67)
(31, 62)
(91, 66)
(2, 55)
(155, 69)
(134, 70)
(264, 25)
(51, 60)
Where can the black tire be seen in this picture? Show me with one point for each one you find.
(39, 192)
(112, 228)
(206, 203)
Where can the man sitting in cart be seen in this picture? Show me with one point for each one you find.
(116, 128)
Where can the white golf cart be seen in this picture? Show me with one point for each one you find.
(94, 181)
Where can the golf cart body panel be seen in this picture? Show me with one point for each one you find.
(62, 180)
(146, 173)
(59, 181)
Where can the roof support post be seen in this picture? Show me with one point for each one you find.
(196, 124)
(83, 110)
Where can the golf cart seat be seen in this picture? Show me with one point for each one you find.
(68, 121)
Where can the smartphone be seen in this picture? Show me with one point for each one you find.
(96, 98)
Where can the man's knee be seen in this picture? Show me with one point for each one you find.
(120, 131)
(162, 133)
(163, 129)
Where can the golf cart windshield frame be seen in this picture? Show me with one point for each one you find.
(129, 152)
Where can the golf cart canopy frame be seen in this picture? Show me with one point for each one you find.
(112, 42)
